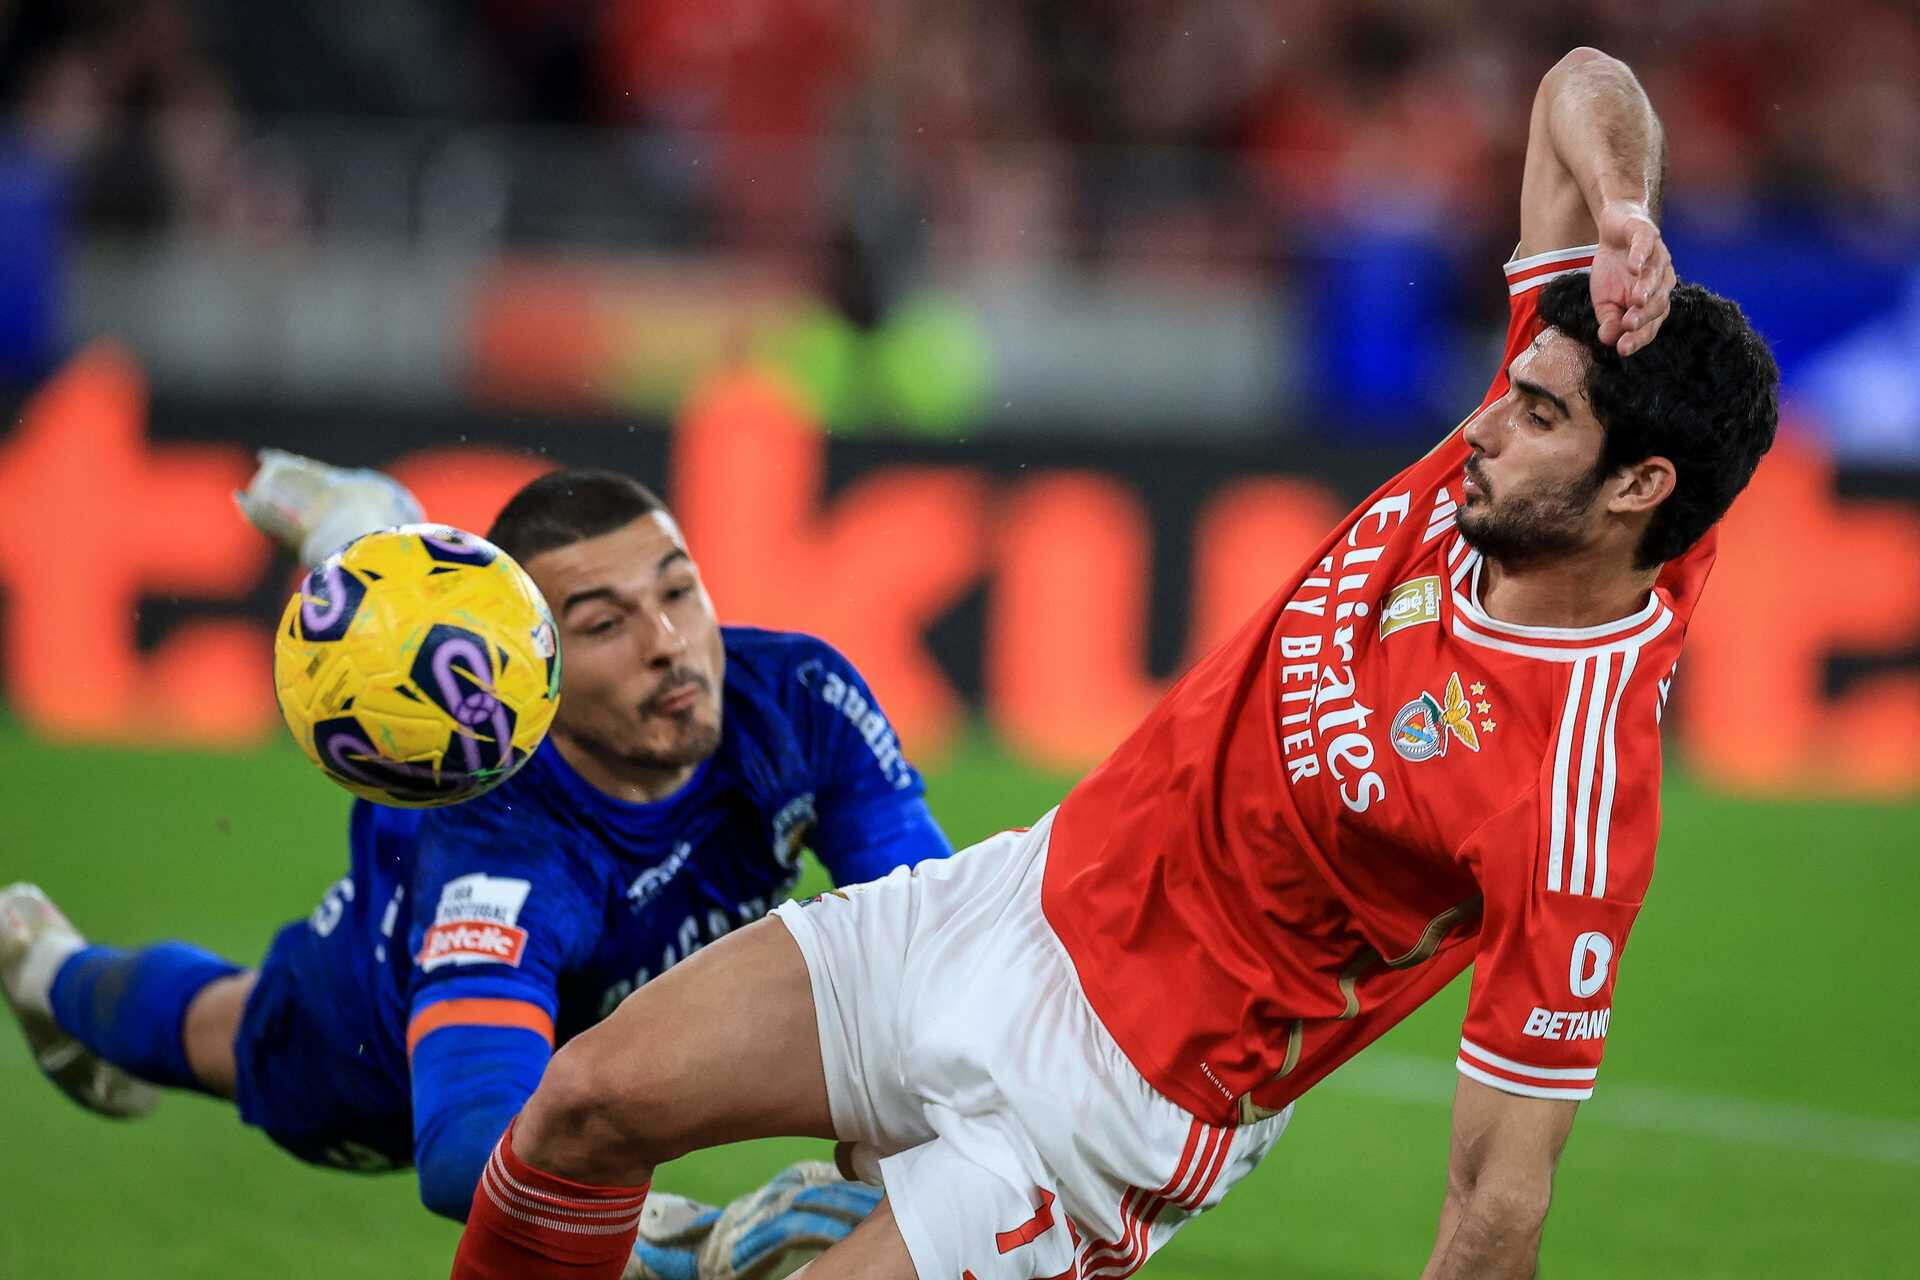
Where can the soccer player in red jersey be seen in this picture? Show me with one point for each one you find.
(1436, 745)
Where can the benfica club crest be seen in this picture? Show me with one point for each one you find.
(1422, 727)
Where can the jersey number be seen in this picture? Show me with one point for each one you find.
(1592, 954)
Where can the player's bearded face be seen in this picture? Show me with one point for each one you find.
(642, 663)
(1533, 481)
(1526, 521)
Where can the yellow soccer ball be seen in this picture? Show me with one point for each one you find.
(417, 666)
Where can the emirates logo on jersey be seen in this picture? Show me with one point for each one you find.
(1423, 728)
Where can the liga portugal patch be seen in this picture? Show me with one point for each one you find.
(476, 922)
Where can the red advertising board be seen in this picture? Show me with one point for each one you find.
(1051, 588)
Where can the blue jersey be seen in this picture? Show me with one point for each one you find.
(485, 933)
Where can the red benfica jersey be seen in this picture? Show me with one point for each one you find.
(1370, 786)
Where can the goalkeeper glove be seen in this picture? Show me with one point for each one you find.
(312, 508)
(773, 1232)
(766, 1234)
(672, 1229)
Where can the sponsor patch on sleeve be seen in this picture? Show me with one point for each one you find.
(476, 922)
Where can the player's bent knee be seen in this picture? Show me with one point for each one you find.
(592, 1122)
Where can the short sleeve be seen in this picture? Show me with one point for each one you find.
(499, 912)
(1563, 873)
(871, 809)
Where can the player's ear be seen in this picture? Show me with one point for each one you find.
(1641, 486)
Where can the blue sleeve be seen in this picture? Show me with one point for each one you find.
(501, 909)
(871, 807)
(468, 1084)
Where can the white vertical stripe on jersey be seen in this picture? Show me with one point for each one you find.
(1464, 567)
(1605, 820)
(1557, 844)
(1441, 520)
(1589, 746)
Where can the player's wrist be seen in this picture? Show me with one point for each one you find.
(1629, 205)
(1619, 220)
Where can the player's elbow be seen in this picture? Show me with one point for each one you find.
(446, 1185)
(1576, 63)
(1585, 56)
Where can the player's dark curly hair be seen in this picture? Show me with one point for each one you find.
(564, 507)
(1704, 394)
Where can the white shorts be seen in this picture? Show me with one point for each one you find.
(1016, 1141)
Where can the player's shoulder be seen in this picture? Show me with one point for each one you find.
(789, 668)
(529, 826)
(802, 688)
(763, 650)
(531, 799)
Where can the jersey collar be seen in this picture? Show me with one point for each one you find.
(1551, 644)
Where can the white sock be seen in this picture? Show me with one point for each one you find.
(34, 989)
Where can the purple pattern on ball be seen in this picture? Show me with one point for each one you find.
(317, 614)
(472, 707)
(457, 546)
(349, 755)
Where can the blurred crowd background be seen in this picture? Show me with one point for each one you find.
(1026, 189)
(1251, 234)
(1205, 131)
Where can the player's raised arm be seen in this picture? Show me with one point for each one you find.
(1596, 157)
(312, 508)
(1499, 1182)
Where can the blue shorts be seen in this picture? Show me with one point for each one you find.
(310, 1076)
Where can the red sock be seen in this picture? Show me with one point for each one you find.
(529, 1225)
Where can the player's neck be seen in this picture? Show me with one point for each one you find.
(622, 779)
(1579, 590)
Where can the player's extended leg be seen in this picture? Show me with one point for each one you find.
(722, 1047)
(101, 1020)
(211, 1028)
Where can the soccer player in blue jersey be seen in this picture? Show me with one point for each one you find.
(412, 1014)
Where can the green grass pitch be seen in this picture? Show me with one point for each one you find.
(1757, 1116)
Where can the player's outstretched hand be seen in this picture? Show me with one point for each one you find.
(312, 508)
(1632, 277)
(766, 1234)
(672, 1230)
(776, 1230)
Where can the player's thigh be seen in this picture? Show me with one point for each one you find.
(211, 1027)
(722, 1047)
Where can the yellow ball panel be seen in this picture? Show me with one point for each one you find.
(417, 667)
